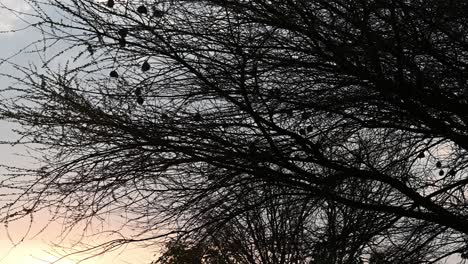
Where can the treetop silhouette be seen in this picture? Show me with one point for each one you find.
(362, 104)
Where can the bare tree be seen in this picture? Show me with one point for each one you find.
(291, 229)
(176, 109)
(296, 229)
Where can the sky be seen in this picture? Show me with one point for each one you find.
(36, 247)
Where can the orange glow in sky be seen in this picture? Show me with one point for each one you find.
(36, 247)
(31, 252)
(40, 252)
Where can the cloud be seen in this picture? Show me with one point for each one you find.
(11, 13)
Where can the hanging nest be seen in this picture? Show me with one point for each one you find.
(110, 3)
(90, 49)
(122, 32)
(122, 43)
(197, 117)
(140, 100)
(145, 66)
(142, 9)
(157, 12)
(138, 92)
(114, 74)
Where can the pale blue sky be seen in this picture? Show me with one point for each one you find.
(36, 249)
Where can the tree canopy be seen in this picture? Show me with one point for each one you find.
(176, 112)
